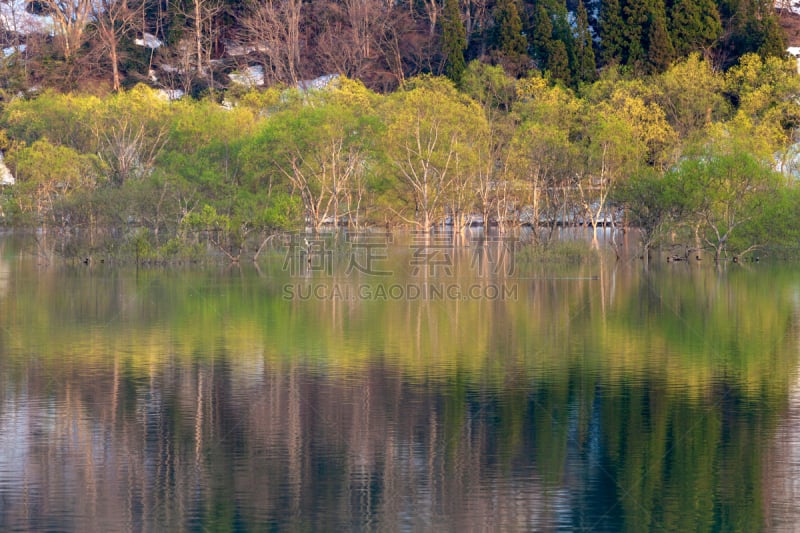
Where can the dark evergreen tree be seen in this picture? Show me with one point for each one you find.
(454, 41)
(636, 14)
(558, 62)
(612, 32)
(511, 43)
(542, 29)
(551, 54)
(584, 68)
(660, 51)
(750, 26)
(771, 38)
(694, 26)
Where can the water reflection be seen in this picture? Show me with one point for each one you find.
(610, 401)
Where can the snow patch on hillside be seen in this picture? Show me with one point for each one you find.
(6, 178)
(14, 19)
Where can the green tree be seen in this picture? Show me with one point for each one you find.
(490, 86)
(584, 68)
(46, 175)
(512, 45)
(691, 95)
(625, 133)
(648, 206)
(695, 26)
(612, 33)
(131, 128)
(551, 53)
(728, 198)
(636, 15)
(660, 51)
(750, 26)
(545, 151)
(64, 119)
(431, 136)
(454, 41)
(321, 152)
(766, 90)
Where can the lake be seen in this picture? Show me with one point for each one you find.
(366, 386)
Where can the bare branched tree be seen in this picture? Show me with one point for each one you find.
(272, 27)
(70, 18)
(113, 20)
(203, 15)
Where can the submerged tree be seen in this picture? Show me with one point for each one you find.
(429, 140)
(727, 197)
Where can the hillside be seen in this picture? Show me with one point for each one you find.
(196, 46)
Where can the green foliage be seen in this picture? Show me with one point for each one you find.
(63, 119)
(695, 26)
(454, 41)
(551, 52)
(612, 32)
(691, 95)
(765, 90)
(46, 174)
(489, 85)
(584, 68)
(431, 139)
(322, 152)
(751, 26)
(650, 206)
(728, 199)
(511, 43)
(660, 51)
(519, 150)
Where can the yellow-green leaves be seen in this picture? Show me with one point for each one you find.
(430, 140)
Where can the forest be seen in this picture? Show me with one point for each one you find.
(194, 46)
(518, 115)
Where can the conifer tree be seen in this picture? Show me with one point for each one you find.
(542, 36)
(660, 51)
(584, 67)
(751, 26)
(512, 45)
(636, 14)
(612, 32)
(694, 26)
(558, 62)
(454, 41)
(551, 53)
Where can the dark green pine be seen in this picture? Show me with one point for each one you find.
(694, 26)
(558, 62)
(510, 43)
(636, 14)
(660, 52)
(612, 33)
(585, 68)
(542, 36)
(454, 41)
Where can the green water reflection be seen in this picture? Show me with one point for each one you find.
(594, 397)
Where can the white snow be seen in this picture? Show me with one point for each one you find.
(11, 50)
(148, 40)
(5, 174)
(233, 49)
(171, 94)
(792, 6)
(318, 83)
(250, 77)
(15, 19)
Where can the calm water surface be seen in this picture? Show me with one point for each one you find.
(587, 397)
